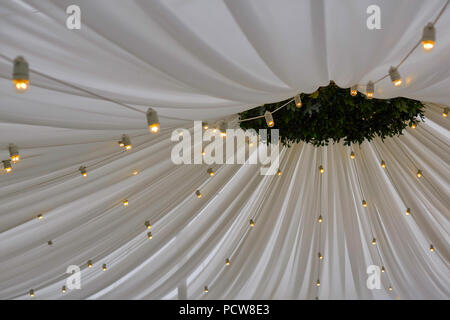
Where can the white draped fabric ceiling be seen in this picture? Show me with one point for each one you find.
(205, 60)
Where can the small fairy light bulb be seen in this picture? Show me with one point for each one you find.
(252, 223)
(390, 288)
(370, 89)
(318, 283)
(320, 219)
(320, 256)
(352, 155)
(298, 101)
(354, 90)
(431, 248)
(395, 76)
(135, 172)
(7, 166)
(374, 241)
(419, 173)
(21, 75)
(227, 262)
(152, 120)
(125, 202)
(63, 289)
(269, 119)
(413, 126)
(383, 269)
(31, 293)
(198, 194)
(408, 211)
(279, 172)
(206, 290)
(321, 169)
(445, 113)
(83, 171)
(223, 129)
(89, 263)
(14, 153)
(148, 225)
(149, 235)
(104, 267)
(205, 125)
(126, 142)
(121, 144)
(364, 203)
(40, 217)
(210, 172)
(428, 37)
(383, 164)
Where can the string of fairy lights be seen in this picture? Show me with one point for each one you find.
(21, 81)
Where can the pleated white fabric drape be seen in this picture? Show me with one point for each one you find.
(204, 60)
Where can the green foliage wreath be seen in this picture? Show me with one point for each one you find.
(331, 114)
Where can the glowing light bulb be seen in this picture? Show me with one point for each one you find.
(352, 155)
(279, 172)
(390, 289)
(205, 125)
(252, 223)
(408, 211)
(149, 235)
(395, 76)
(320, 219)
(21, 75)
(210, 172)
(198, 194)
(125, 202)
(227, 262)
(63, 289)
(83, 171)
(269, 119)
(370, 89)
(31, 293)
(320, 256)
(203, 153)
(374, 241)
(428, 37)
(152, 120)
(7, 166)
(382, 269)
(298, 101)
(206, 290)
(89, 264)
(321, 169)
(431, 248)
(383, 164)
(419, 174)
(318, 283)
(14, 153)
(364, 203)
(135, 172)
(354, 90)
(445, 113)
(104, 267)
(413, 126)
(40, 216)
(148, 225)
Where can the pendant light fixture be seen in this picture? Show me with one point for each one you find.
(152, 121)
(21, 77)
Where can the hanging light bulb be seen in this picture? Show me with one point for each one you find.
(298, 101)
(135, 172)
(40, 216)
(431, 248)
(321, 169)
(104, 267)
(125, 202)
(374, 241)
(252, 223)
(364, 203)
(148, 225)
(445, 113)
(269, 119)
(395, 76)
(205, 125)
(125, 142)
(149, 235)
(413, 126)
(14, 153)
(370, 89)
(408, 211)
(83, 171)
(89, 263)
(428, 37)
(318, 283)
(7, 166)
(383, 164)
(21, 76)
(419, 174)
(223, 129)
(63, 289)
(320, 219)
(352, 155)
(382, 269)
(279, 172)
(203, 153)
(210, 172)
(390, 288)
(198, 194)
(320, 256)
(354, 90)
(31, 293)
(152, 120)
(227, 262)
(206, 290)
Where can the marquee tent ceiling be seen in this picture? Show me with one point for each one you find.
(203, 60)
